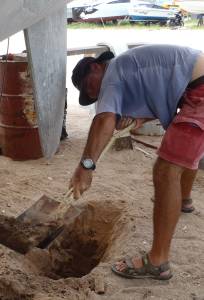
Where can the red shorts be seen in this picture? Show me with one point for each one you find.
(183, 142)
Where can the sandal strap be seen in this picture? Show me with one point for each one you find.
(156, 270)
(187, 201)
(129, 263)
(131, 268)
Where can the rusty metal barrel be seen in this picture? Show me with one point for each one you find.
(19, 137)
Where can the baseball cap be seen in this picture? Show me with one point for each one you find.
(82, 69)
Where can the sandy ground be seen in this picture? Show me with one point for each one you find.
(114, 220)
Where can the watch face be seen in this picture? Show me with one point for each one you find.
(88, 163)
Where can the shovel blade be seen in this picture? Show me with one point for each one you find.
(37, 226)
(30, 228)
(71, 214)
(41, 211)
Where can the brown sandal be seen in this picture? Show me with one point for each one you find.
(161, 272)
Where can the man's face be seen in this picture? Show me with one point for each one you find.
(92, 81)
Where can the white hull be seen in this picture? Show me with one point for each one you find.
(145, 13)
(106, 12)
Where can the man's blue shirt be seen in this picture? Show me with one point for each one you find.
(147, 82)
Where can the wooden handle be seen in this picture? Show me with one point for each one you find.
(117, 135)
(69, 193)
(67, 197)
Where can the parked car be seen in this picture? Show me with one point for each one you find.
(150, 13)
(111, 10)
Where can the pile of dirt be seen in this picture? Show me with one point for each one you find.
(22, 236)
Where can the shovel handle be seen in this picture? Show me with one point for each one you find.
(69, 193)
(117, 135)
(67, 197)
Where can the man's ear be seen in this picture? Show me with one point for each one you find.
(95, 67)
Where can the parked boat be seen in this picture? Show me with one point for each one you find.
(148, 12)
(77, 7)
(110, 10)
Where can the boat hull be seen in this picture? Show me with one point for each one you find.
(137, 18)
(150, 13)
(103, 19)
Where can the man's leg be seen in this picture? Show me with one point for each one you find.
(168, 195)
(172, 183)
(187, 180)
(167, 207)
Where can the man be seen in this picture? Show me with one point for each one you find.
(200, 19)
(146, 83)
(64, 133)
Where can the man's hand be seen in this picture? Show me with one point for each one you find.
(80, 181)
(138, 124)
(126, 121)
(100, 133)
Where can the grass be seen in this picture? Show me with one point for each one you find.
(188, 24)
(192, 24)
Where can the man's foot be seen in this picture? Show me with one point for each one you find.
(141, 268)
(64, 134)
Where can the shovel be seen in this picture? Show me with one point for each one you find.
(47, 211)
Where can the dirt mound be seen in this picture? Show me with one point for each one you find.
(22, 236)
(13, 290)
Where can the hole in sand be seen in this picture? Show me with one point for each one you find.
(81, 245)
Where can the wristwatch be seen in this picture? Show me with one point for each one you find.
(88, 164)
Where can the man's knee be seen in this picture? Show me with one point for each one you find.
(166, 171)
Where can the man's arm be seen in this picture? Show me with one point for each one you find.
(101, 131)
